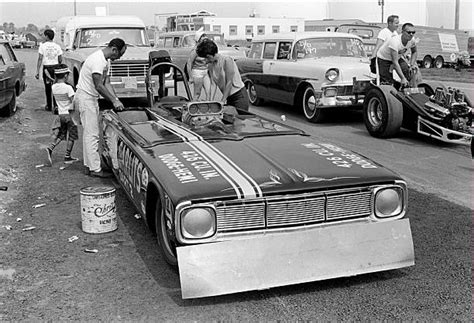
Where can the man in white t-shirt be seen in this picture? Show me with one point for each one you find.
(383, 36)
(49, 55)
(393, 52)
(94, 81)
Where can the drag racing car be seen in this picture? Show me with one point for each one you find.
(239, 202)
(430, 109)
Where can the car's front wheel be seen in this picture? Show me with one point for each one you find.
(167, 246)
(308, 103)
(252, 92)
(383, 113)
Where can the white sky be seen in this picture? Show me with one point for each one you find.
(435, 13)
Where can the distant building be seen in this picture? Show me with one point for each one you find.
(247, 28)
(232, 28)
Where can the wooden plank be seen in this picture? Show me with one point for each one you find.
(290, 258)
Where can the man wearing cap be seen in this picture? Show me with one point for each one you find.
(94, 82)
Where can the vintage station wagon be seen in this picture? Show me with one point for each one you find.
(179, 44)
(312, 71)
(12, 79)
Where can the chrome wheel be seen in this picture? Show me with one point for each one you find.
(309, 104)
(374, 112)
(252, 92)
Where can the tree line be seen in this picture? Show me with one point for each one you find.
(10, 28)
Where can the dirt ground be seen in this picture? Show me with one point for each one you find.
(46, 277)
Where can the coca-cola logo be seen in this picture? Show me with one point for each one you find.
(103, 211)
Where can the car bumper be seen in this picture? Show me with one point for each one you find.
(256, 263)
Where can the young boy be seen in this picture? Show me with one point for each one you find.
(63, 125)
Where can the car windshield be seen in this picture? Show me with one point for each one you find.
(101, 37)
(328, 46)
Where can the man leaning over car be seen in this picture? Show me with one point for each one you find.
(94, 81)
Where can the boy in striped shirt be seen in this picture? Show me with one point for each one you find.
(63, 125)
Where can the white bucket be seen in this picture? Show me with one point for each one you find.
(98, 209)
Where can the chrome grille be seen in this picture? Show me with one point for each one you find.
(295, 210)
(344, 90)
(122, 69)
(241, 217)
(348, 205)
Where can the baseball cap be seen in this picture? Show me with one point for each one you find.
(61, 69)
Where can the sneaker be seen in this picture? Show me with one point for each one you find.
(101, 174)
(69, 159)
(50, 159)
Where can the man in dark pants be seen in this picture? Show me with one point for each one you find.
(383, 36)
(393, 53)
(49, 55)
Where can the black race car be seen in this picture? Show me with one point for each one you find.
(239, 202)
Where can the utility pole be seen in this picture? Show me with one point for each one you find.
(456, 16)
(75, 9)
(381, 4)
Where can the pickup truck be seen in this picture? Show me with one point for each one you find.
(80, 36)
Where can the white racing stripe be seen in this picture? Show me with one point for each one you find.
(236, 176)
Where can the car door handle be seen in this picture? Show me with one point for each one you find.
(258, 63)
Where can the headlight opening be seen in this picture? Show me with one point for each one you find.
(332, 74)
(389, 202)
(198, 223)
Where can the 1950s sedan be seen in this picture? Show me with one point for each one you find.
(12, 79)
(313, 71)
(239, 202)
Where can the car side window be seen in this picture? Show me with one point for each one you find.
(5, 54)
(256, 50)
(269, 50)
(77, 39)
(283, 50)
(176, 42)
(189, 41)
(169, 42)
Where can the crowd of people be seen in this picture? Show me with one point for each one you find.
(208, 70)
(80, 106)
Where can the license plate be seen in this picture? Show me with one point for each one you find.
(129, 82)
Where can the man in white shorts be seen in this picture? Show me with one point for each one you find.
(94, 81)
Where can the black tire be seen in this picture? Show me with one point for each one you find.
(307, 102)
(427, 62)
(431, 86)
(439, 62)
(383, 112)
(10, 108)
(167, 247)
(252, 93)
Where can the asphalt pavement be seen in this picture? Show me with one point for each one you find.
(45, 277)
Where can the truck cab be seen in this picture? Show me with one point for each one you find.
(80, 36)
